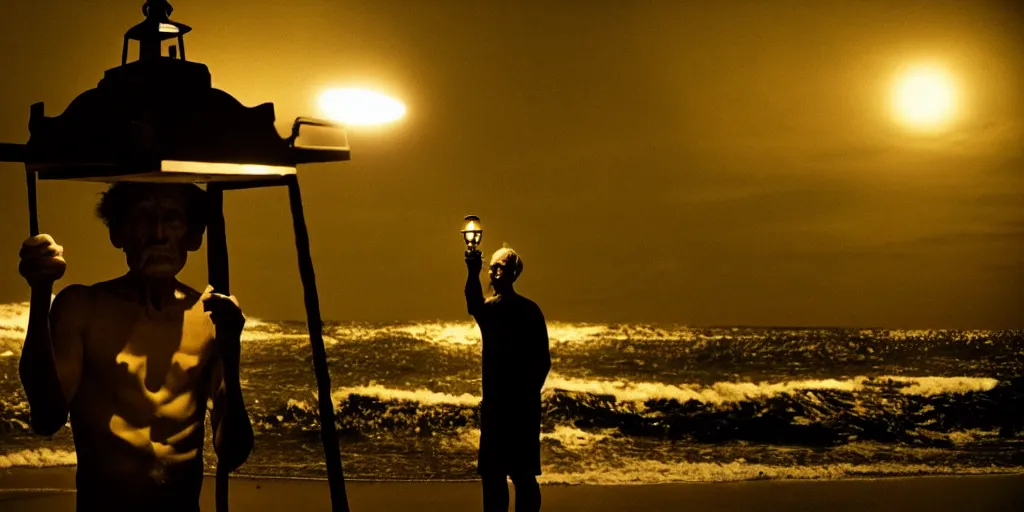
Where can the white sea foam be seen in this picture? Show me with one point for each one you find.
(13, 320)
(727, 392)
(566, 436)
(13, 324)
(718, 393)
(422, 396)
(624, 471)
(456, 333)
(40, 458)
(639, 471)
(574, 438)
(465, 438)
(928, 386)
(959, 438)
(468, 333)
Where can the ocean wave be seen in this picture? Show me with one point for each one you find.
(642, 471)
(564, 436)
(609, 468)
(253, 336)
(38, 458)
(468, 333)
(718, 393)
(421, 396)
(936, 411)
(573, 438)
(13, 324)
(929, 386)
(14, 318)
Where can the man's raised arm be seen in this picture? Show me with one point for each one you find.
(51, 359)
(474, 292)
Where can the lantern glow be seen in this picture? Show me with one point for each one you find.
(472, 232)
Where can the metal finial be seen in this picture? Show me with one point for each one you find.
(156, 28)
(161, 5)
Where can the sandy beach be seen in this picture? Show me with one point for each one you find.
(52, 490)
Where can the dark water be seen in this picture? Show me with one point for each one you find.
(624, 403)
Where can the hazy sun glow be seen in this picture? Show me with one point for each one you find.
(360, 107)
(925, 97)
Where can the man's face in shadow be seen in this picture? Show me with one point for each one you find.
(502, 270)
(500, 275)
(155, 236)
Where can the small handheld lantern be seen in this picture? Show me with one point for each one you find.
(472, 232)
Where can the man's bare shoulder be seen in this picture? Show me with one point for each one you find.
(114, 287)
(105, 291)
(74, 303)
(74, 296)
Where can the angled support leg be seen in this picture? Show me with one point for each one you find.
(328, 428)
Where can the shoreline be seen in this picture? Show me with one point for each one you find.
(1009, 472)
(638, 484)
(51, 472)
(52, 490)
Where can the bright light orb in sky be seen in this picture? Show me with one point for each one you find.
(360, 107)
(925, 97)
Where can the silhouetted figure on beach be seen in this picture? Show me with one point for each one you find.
(516, 361)
(134, 360)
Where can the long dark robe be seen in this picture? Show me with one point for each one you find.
(516, 361)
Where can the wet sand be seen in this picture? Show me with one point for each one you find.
(52, 490)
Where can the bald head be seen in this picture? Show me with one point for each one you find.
(505, 268)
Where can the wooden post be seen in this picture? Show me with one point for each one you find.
(33, 213)
(217, 269)
(216, 240)
(328, 428)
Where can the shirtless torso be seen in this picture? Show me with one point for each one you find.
(137, 361)
(146, 376)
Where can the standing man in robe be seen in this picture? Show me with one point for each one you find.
(516, 361)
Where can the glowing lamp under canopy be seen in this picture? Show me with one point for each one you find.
(159, 119)
(472, 231)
